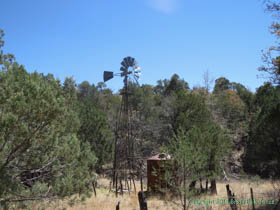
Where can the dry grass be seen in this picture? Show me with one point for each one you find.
(106, 200)
(263, 190)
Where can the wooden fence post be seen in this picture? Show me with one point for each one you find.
(252, 198)
(118, 206)
(231, 199)
(276, 207)
(142, 201)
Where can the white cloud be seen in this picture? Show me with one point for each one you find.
(165, 6)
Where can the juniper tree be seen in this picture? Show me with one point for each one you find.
(40, 154)
(198, 153)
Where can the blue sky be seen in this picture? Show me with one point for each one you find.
(83, 38)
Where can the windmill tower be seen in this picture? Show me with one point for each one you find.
(124, 155)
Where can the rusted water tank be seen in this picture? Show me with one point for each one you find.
(157, 166)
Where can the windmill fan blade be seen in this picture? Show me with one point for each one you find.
(107, 75)
(128, 58)
(126, 61)
(136, 79)
(123, 69)
(133, 62)
(123, 63)
(130, 61)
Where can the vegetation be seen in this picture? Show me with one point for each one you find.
(108, 200)
(41, 155)
(57, 137)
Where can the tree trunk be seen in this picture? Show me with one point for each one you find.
(94, 187)
(206, 187)
(213, 187)
(201, 187)
(185, 197)
(121, 185)
(134, 185)
(116, 182)
(141, 182)
(192, 185)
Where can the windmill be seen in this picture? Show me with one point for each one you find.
(124, 143)
(129, 67)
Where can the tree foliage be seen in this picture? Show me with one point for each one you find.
(95, 130)
(270, 57)
(198, 154)
(40, 154)
(263, 146)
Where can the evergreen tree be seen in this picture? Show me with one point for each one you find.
(95, 131)
(198, 154)
(221, 84)
(263, 145)
(40, 154)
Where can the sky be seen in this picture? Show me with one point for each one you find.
(187, 37)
